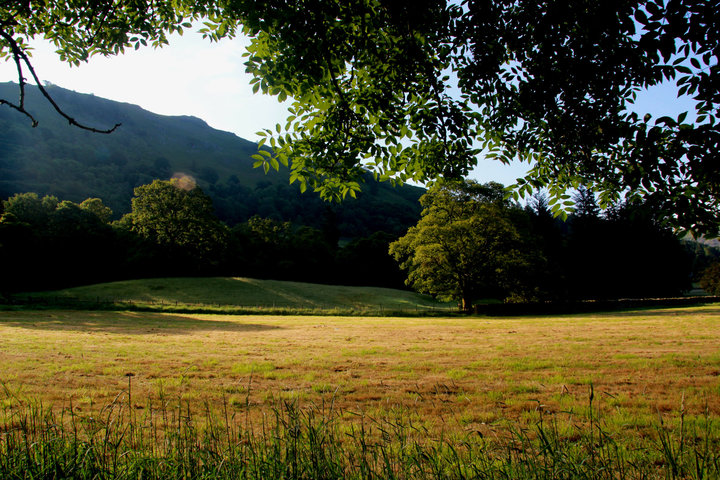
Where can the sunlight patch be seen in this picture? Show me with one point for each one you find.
(183, 181)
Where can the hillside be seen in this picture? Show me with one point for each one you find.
(232, 292)
(57, 159)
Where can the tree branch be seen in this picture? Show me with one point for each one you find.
(21, 82)
(20, 57)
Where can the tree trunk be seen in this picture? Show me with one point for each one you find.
(466, 304)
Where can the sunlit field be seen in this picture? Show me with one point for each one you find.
(230, 294)
(633, 371)
(473, 372)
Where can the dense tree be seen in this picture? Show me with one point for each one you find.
(626, 252)
(710, 279)
(29, 208)
(180, 218)
(47, 243)
(80, 246)
(21, 250)
(548, 233)
(702, 255)
(465, 246)
(97, 208)
(589, 275)
(647, 258)
(268, 248)
(365, 261)
(585, 204)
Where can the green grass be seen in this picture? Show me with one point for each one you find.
(460, 397)
(229, 294)
(171, 440)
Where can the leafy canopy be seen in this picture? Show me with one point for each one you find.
(418, 90)
(177, 215)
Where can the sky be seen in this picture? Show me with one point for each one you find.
(192, 76)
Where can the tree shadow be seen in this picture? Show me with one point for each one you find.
(670, 311)
(606, 308)
(125, 323)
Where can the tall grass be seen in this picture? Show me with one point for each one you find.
(170, 440)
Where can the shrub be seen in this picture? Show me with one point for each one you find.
(710, 279)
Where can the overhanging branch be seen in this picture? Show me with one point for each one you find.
(20, 58)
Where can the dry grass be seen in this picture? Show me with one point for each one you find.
(465, 373)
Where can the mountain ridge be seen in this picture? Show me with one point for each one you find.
(57, 159)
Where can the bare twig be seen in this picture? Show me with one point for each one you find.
(20, 107)
(20, 57)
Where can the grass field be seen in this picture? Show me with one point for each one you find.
(475, 371)
(229, 293)
(647, 370)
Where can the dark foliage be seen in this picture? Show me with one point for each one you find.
(45, 244)
(710, 279)
(625, 253)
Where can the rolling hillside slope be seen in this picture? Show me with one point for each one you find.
(72, 164)
(247, 293)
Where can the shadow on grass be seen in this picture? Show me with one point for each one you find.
(610, 308)
(126, 323)
(663, 312)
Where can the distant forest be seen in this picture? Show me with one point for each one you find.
(46, 243)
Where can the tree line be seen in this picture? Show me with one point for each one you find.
(172, 230)
(471, 243)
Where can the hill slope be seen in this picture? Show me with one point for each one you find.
(246, 292)
(57, 159)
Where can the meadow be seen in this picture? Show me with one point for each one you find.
(642, 379)
(240, 294)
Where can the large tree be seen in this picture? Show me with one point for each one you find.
(465, 246)
(418, 90)
(179, 217)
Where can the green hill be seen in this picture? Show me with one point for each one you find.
(229, 292)
(72, 164)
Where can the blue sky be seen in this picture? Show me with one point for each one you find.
(191, 76)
